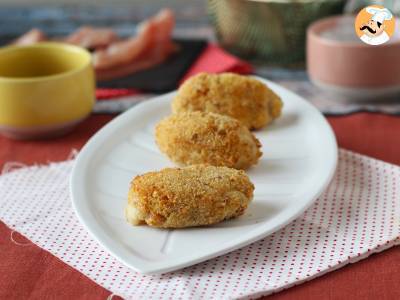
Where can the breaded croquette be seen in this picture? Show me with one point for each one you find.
(241, 97)
(191, 196)
(207, 138)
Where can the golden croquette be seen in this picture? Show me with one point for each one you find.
(199, 137)
(190, 196)
(240, 97)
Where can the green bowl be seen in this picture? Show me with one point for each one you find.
(272, 32)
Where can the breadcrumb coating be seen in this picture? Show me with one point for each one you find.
(241, 97)
(199, 137)
(191, 196)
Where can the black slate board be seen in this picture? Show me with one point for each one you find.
(164, 77)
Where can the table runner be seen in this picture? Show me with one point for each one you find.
(357, 215)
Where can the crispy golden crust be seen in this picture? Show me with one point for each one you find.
(241, 97)
(199, 137)
(191, 196)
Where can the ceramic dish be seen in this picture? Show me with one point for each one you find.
(299, 160)
(340, 63)
(45, 89)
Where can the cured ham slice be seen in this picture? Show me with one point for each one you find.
(31, 37)
(162, 39)
(151, 46)
(91, 38)
(141, 63)
(114, 57)
(125, 51)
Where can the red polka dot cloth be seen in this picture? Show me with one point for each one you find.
(357, 215)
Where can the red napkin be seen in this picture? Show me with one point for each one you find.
(213, 60)
(216, 60)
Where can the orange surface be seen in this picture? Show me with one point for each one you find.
(28, 272)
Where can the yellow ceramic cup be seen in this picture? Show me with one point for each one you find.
(45, 89)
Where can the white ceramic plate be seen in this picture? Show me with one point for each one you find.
(299, 160)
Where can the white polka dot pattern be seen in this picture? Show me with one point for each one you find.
(357, 215)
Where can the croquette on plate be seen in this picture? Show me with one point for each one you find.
(200, 137)
(241, 97)
(191, 196)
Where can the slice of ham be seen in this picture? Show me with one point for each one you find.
(115, 58)
(141, 63)
(151, 46)
(33, 36)
(91, 38)
(165, 23)
(122, 52)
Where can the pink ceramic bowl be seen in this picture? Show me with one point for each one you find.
(339, 62)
